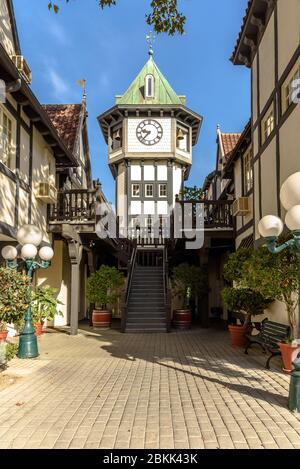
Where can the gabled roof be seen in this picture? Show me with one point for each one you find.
(164, 93)
(66, 119)
(229, 142)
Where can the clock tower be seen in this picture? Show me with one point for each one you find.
(150, 133)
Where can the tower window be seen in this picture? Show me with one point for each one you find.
(149, 86)
(149, 190)
(136, 190)
(162, 190)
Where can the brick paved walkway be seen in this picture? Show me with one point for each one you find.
(179, 390)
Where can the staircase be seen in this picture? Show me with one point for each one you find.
(146, 310)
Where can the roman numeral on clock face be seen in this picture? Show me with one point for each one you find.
(149, 132)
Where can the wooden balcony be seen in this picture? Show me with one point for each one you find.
(214, 214)
(76, 206)
(79, 207)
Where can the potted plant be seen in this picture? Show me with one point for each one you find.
(289, 352)
(104, 290)
(275, 277)
(189, 282)
(248, 303)
(13, 298)
(242, 297)
(44, 307)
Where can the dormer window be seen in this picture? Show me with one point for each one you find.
(149, 86)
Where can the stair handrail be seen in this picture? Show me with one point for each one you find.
(127, 288)
(167, 290)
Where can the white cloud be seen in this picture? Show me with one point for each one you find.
(58, 32)
(59, 87)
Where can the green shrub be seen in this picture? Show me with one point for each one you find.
(11, 351)
(104, 286)
(189, 281)
(44, 304)
(13, 297)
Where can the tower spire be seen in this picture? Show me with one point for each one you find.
(150, 40)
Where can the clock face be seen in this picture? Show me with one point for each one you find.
(149, 132)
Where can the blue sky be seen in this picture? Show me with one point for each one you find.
(108, 49)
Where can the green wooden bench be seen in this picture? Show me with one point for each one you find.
(270, 333)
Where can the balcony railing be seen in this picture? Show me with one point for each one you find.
(75, 205)
(213, 213)
(80, 206)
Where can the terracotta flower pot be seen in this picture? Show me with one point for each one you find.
(3, 335)
(39, 328)
(289, 354)
(101, 319)
(182, 319)
(237, 334)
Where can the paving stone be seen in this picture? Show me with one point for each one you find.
(197, 392)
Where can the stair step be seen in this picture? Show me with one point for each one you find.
(142, 325)
(147, 321)
(145, 303)
(148, 269)
(157, 314)
(142, 284)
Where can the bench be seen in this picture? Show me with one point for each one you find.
(270, 333)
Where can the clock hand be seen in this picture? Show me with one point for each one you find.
(147, 132)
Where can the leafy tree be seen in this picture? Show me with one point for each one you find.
(245, 301)
(13, 296)
(45, 303)
(243, 297)
(104, 286)
(191, 193)
(271, 275)
(189, 281)
(164, 16)
(276, 276)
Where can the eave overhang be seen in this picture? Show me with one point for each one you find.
(35, 112)
(254, 23)
(119, 112)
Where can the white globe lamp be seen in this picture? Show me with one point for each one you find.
(46, 253)
(290, 191)
(29, 251)
(9, 253)
(270, 226)
(292, 219)
(29, 234)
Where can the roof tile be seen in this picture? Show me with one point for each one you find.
(66, 119)
(229, 142)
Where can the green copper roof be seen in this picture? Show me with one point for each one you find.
(164, 93)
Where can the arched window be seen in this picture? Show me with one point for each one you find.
(149, 86)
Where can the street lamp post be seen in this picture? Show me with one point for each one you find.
(29, 237)
(270, 228)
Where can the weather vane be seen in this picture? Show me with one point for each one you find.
(151, 40)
